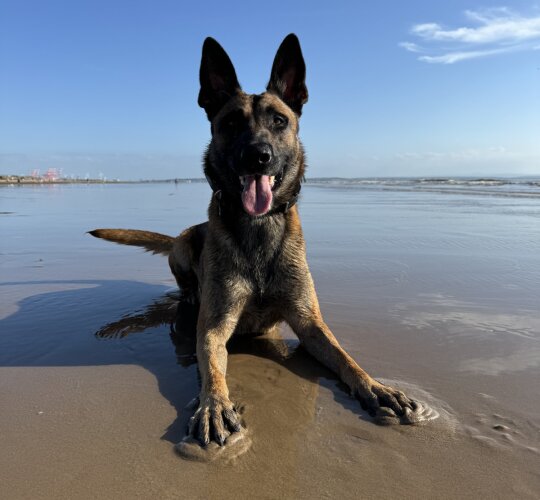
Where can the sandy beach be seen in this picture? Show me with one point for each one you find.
(434, 291)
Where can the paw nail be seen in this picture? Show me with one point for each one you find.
(386, 412)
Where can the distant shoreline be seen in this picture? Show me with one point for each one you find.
(9, 180)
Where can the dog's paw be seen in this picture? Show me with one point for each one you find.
(390, 406)
(214, 420)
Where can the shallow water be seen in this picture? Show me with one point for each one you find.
(438, 292)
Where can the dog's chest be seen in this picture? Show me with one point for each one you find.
(259, 268)
(258, 258)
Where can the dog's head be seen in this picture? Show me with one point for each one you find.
(255, 156)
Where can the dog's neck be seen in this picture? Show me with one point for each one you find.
(283, 208)
(255, 235)
(258, 241)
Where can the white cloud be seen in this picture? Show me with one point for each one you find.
(496, 31)
(493, 29)
(411, 47)
(453, 57)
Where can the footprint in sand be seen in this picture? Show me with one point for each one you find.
(497, 430)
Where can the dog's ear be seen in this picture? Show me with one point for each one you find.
(217, 77)
(288, 76)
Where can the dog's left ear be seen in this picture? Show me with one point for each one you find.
(288, 76)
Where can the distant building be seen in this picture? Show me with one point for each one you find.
(52, 174)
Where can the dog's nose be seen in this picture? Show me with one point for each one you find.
(260, 153)
(264, 157)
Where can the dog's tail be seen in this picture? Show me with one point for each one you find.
(151, 242)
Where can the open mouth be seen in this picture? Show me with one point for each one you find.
(257, 192)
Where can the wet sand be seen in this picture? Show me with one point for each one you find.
(437, 294)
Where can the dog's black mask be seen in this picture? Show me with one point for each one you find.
(255, 157)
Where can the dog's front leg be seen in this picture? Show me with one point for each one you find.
(385, 403)
(216, 418)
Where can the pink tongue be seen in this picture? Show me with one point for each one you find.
(257, 194)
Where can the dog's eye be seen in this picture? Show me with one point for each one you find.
(231, 123)
(279, 121)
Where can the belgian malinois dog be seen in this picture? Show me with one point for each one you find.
(245, 268)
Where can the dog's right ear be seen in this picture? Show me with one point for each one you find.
(217, 77)
(288, 77)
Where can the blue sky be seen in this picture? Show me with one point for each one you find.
(397, 88)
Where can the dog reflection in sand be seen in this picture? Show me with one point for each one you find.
(261, 368)
(245, 269)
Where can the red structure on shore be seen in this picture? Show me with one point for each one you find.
(52, 174)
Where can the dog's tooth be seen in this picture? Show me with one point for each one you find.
(272, 180)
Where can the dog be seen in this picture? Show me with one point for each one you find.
(245, 269)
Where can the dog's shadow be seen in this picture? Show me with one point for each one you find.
(125, 322)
